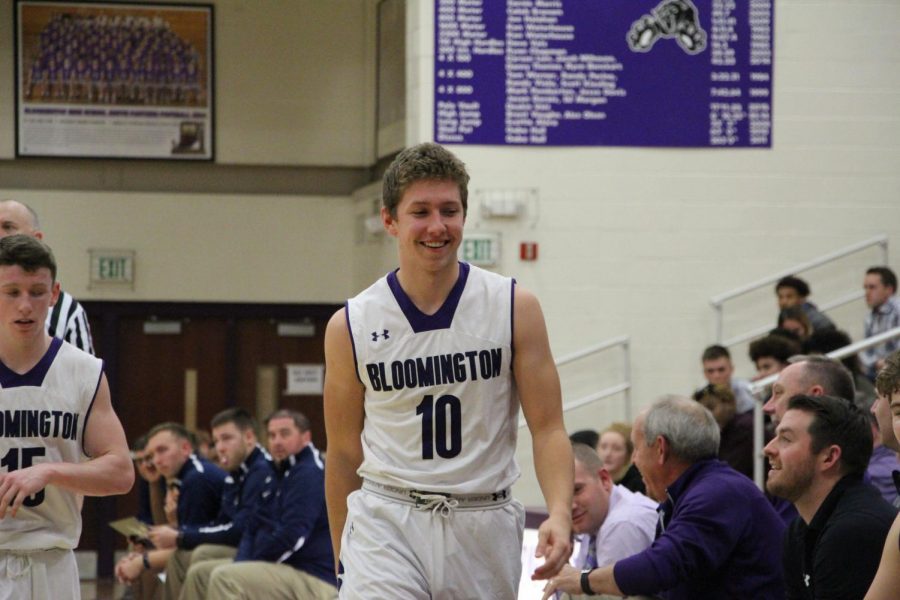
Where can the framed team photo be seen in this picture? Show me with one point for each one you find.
(114, 80)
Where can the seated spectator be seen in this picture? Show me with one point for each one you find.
(887, 579)
(151, 488)
(880, 285)
(735, 430)
(248, 465)
(203, 445)
(195, 491)
(286, 548)
(770, 354)
(718, 370)
(795, 320)
(887, 386)
(823, 342)
(611, 521)
(793, 291)
(588, 437)
(883, 464)
(718, 536)
(810, 375)
(818, 457)
(615, 450)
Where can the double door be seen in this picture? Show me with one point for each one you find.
(185, 362)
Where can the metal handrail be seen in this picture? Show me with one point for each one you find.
(625, 342)
(718, 300)
(846, 299)
(758, 386)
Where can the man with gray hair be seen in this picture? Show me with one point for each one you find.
(67, 319)
(718, 536)
(811, 376)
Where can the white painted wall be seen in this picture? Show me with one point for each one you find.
(635, 241)
(200, 247)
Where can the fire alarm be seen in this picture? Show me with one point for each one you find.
(528, 251)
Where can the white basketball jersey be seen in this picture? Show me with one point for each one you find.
(441, 410)
(42, 418)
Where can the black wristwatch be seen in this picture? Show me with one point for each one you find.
(145, 560)
(585, 584)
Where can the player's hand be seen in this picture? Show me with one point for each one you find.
(568, 580)
(130, 568)
(554, 545)
(163, 536)
(18, 485)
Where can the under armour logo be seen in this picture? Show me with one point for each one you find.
(376, 335)
(499, 495)
(806, 579)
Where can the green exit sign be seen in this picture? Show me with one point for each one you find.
(112, 266)
(482, 249)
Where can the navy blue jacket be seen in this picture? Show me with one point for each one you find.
(200, 484)
(240, 497)
(145, 513)
(719, 538)
(291, 525)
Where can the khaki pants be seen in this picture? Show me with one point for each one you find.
(147, 586)
(253, 580)
(38, 575)
(181, 560)
(205, 558)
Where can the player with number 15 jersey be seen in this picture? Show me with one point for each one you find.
(44, 413)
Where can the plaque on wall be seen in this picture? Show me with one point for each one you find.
(122, 80)
(677, 73)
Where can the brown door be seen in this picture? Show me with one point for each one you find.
(212, 356)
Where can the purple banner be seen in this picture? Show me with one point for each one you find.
(682, 73)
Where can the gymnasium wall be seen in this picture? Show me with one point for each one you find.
(635, 241)
(632, 241)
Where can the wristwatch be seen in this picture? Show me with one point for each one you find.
(145, 559)
(585, 584)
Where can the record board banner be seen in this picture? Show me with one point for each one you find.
(114, 80)
(678, 73)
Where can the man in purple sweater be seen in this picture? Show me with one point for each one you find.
(718, 535)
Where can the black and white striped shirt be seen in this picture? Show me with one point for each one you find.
(68, 321)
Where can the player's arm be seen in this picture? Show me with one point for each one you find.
(343, 425)
(887, 579)
(109, 470)
(537, 382)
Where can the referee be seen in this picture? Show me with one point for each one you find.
(67, 320)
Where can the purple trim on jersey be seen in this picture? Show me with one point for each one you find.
(90, 408)
(443, 318)
(35, 376)
(352, 341)
(512, 321)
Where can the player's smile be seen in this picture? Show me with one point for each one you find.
(429, 222)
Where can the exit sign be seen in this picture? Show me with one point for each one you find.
(482, 249)
(112, 266)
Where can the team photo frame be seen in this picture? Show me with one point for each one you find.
(114, 80)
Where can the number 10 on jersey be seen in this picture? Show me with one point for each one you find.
(437, 416)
